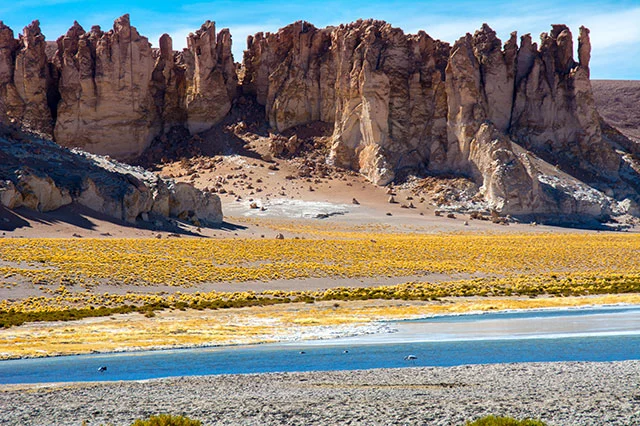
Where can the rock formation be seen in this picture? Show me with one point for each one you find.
(42, 176)
(382, 90)
(106, 103)
(24, 75)
(211, 77)
(110, 92)
(518, 119)
(478, 108)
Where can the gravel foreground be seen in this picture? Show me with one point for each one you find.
(568, 393)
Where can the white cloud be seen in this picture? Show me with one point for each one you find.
(611, 29)
(178, 37)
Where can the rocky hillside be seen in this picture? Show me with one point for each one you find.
(618, 102)
(519, 119)
(42, 176)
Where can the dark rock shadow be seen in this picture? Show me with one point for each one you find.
(66, 214)
(587, 223)
(227, 226)
(85, 218)
(9, 221)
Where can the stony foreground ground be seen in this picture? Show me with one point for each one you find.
(558, 393)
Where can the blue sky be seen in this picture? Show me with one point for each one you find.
(615, 25)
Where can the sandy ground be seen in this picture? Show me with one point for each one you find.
(325, 200)
(558, 393)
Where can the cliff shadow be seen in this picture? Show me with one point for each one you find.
(246, 117)
(10, 221)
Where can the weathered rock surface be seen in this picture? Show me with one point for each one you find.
(106, 103)
(110, 92)
(185, 200)
(24, 74)
(491, 112)
(517, 119)
(41, 175)
(382, 90)
(212, 78)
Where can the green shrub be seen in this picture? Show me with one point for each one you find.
(167, 420)
(504, 421)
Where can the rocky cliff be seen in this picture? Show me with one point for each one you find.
(519, 119)
(25, 77)
(512, 117)
(110, 92)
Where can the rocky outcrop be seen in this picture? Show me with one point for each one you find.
(541, 98)
(106, 104)
(511, 117)
(382, 90)
(211, 77)
(399, 100)
(42, 176)
(292, 74)
(554, 112)
(110, 92)
(24, 75)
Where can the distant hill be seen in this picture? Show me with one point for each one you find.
(618, 102)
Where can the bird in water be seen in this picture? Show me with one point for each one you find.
(410, 357)
(102, 369)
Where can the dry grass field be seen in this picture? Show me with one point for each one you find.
(83, 295)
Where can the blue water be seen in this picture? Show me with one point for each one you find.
(534, 313)
(363, 352)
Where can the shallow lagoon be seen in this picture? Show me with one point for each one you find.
(584, 334)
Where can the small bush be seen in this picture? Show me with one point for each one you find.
(167, 420)
(504, 421)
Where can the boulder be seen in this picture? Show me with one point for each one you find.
(187, 201)
(40, 192)
(41, 175)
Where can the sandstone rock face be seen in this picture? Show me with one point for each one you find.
(383, 90)
(291, 73)
(110, 92)
(541, 98)
(41, 175)
(399, 100)
(554, 112)
(212, 79)
(519, 119)
(106, 102)
(24, 74)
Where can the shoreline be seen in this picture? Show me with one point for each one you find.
(373, 328)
